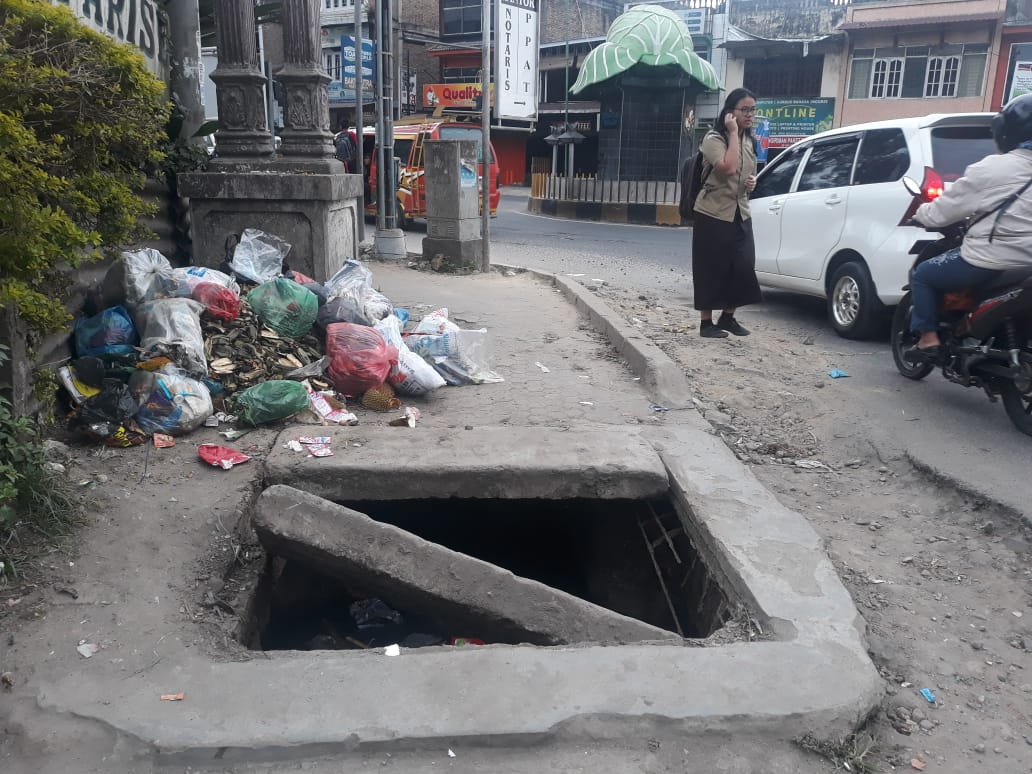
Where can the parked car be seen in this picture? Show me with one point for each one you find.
(827, 211)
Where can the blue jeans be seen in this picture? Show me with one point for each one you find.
(938, 275)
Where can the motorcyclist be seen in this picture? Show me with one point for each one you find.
(994, 193)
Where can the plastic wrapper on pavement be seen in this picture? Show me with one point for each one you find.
(189, 277)
(270, 401)
(258, 256)
(411, 375)
(111, 332)
(147, 276)
(218, 301)
(170, 402)
(171, 328)
(359, 358)
(353, 283)
(284, 306)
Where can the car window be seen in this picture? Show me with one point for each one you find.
(776, 179)
(883, 158)
(830, 165)
(403, 149)
(956, 147)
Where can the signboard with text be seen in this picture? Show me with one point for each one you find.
(516, 58)
(792, 120)
(1021, 83)
(135, 23)
(342, 92)
(452, 95)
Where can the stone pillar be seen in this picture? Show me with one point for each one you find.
(306, 114)
(240, 86)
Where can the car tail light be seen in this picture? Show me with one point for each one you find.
(932, 187)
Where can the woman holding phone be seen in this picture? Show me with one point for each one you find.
(723, 253)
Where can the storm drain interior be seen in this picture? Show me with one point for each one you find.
(631, 556)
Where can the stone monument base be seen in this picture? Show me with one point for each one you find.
(317, 213)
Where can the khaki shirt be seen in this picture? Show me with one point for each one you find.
(722, 195)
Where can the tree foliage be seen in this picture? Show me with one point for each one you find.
(82, 123)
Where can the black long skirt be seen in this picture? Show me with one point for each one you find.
(724, 263)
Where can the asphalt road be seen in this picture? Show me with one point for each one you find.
(952, 430)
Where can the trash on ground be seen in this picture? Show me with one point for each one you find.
(917, 763)
(218, 301)
(270, 401)
(544, 368)
(460, 356)
(314, 439)
(408, 419)
(221, 456)
(392, 650)
(381, 398)
(171, 328)
(461, 642)
(411, 375)
(258, 256)
(352, 286)
(360, 359)
(657, 407)
(173, 696)
(284, 306)
(319, 450)
(169, 401)
(928, 695)
(146, 275)
(87, 649)
(162, 441)
(212, 421)
(451, 754)
(811, 465)
(369, 613)
(837, 373)
(109, 332)
(7, 680)
(189, 277)
(77, 389)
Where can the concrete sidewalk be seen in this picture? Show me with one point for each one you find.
(812, 674)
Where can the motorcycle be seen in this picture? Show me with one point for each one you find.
(986, 332)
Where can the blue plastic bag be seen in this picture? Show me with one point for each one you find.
(110, 332)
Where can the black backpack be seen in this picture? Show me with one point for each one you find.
(693, 177)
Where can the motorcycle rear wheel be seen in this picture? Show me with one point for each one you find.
(903, 339)
(1017, 398)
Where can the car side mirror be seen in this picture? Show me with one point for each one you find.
(912, 186)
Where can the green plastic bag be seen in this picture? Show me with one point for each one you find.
(286, 307)
(269, 401)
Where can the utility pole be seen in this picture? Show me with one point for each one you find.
(389, 241)
(359, 118)
(485, 126)
(185, 30)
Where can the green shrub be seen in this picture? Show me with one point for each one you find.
(81, 124)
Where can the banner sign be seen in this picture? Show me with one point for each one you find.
(135, 22)
(1021, 83)
(516, 58)
(342, 92)
(792, 120)
(452, 95)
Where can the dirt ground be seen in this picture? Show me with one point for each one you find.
(943, 579)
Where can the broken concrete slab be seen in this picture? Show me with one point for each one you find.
(441, 584)
(484, 462)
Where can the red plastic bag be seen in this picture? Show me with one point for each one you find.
(220, 302)
(299, 278)
(221, 456)
(359, 358)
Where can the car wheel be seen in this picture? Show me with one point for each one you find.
(853, 306)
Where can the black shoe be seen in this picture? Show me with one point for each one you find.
(731, 325)
(708, 330)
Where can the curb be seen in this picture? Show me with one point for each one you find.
(663, 379)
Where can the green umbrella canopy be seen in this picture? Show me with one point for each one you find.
(648, 35)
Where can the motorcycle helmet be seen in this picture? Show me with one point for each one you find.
(1013, 125)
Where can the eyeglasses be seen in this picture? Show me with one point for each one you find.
(748, 111)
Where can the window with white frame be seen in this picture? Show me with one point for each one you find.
(944, 71)
(333, 65)
(886, 78)
(941, 79)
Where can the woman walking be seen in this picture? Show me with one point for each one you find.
(723, 253)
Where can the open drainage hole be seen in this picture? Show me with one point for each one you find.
(630, 556)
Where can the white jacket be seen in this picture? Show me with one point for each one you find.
(984, 187)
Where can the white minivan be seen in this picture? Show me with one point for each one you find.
(826, 212)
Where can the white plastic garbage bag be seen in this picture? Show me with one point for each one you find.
(189, 277)
(171, 327)
(259, 256)
(353, 283)
(170, 401)
(411, 375)
(147, 276)
(460, 356)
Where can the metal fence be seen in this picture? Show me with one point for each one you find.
(583, 188)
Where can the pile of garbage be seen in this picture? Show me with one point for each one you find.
(252, 344)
